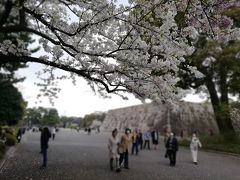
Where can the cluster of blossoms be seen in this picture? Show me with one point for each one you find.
(134, 48)
(211, 18)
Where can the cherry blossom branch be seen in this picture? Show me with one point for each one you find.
(81, 72)
(208, 18)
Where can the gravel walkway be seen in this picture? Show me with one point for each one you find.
(77, 156)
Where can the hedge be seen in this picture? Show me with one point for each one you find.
(10, 140)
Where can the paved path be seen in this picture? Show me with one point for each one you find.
(79, 156)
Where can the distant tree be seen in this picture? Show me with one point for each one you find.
(66, 120)
(12, 105)
(42, 116)
(51, 117)
(89, 118)
(33, 115)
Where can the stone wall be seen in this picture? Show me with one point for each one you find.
(184, 119)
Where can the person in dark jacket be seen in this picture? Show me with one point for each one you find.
(19, 135)
(41, 130)
(172, 148)
(155, 138)
(140, 139)
(45, 136)
(135, 139)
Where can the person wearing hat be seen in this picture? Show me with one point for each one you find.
(172, 148)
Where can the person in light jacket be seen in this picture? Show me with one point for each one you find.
(113, 144)
(53, 133)
(123, 149)
(147, 138)
(195, 143)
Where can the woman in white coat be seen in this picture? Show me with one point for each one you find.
(113, 144)
(195, 143)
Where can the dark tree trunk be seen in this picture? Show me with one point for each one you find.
(224, 108)
(220, 107)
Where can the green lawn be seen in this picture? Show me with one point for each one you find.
(217, 143)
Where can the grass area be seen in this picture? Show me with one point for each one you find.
(217, 143)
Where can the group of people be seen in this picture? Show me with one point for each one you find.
(171, 144)
(118, 150)
(119, 147)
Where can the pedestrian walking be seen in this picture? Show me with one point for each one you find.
(172, 148)
(135, 142)
(19, 135)
(140, 139)
(167, 135)
(113, 144)
(155, 138)
(123, 149)
(147, 138)
(195, 143)
(98, 129)
(41, 131)
(89, 131)
(45, 136)
(53, 133)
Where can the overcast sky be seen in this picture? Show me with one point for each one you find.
(73, 100)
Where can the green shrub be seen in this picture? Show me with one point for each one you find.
(10, 140)
(1, 155)
(2, 147)
(184, 142)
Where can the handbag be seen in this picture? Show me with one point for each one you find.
(120, 149)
